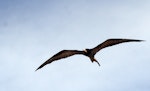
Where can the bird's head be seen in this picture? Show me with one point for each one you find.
(86, 50)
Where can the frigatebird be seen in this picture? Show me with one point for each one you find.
(87, 52)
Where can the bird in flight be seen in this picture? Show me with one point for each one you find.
(87, 52)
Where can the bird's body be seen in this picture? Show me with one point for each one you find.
(87, 52)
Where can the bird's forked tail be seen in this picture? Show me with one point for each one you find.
(94, 60)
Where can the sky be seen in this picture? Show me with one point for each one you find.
(31, 31)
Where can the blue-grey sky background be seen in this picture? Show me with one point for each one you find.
(31, 31)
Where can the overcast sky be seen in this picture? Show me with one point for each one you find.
(31, 31)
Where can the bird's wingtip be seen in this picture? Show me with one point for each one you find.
(37, 69)
(136, 40)
(41, 66)
(142, 40)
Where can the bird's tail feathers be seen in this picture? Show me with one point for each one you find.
(94, 60)
(98, 63)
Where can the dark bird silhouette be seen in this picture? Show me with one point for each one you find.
(87, 52)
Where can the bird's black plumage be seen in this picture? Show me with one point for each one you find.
(60, 55)
(87, 52)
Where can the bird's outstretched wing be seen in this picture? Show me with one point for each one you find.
(60, 55)
(111, 42)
